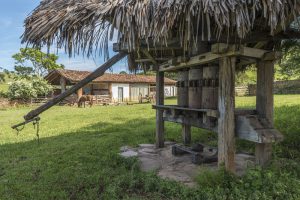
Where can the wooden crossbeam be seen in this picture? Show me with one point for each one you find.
(210, 112)
(219, 50)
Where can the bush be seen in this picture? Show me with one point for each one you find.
(25, 89)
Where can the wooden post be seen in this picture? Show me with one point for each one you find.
(264, 107)
(210, 92)
(159, 113)
(183, 101)
(62, 84)
(226, 124)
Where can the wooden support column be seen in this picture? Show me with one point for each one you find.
(183, 101)
(226, 123)
(63, 84)
(210, 92)
(159, 113)
(264, 107)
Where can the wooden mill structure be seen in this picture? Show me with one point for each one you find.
(204, 42)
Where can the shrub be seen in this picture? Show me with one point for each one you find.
(25, 89)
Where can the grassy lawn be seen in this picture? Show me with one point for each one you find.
(77, 156)
(3, 87)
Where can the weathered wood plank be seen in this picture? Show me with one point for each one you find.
(188, 121)
(193, 61)
(250, 128)
(210, 91)
(209, 57)
(210, 112)
(98, 72)
(264, 106)
(159, 113)
(226, 122)
(183, 101)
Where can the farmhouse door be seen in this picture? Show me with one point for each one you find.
(120, 94)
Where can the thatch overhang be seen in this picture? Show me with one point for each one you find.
(88, 25)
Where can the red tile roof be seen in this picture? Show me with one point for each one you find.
(76, 76)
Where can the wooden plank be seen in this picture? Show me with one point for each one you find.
(226, 123)
(183, 101)
(117, 47)
(193, 61)
(250, 128)
(148, 55)
(188, 121)
(98, 72)
(210, 92)
(209, 57)
(159, 113)
(210, 112)
(221, 48)
(252, 52)
(264, 106)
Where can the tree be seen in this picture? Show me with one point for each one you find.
(289, 66)
(40, 62)
(25, 89)
(2, 76)
(123, 72)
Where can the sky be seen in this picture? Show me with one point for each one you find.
(12, 16)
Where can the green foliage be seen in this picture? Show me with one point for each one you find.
(123, 72)
(41, 63)
(289, 67)
(246, 76)
(25, 89)
(77, 157)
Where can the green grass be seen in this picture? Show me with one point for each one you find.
(77, 156)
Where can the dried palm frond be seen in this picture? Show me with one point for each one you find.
(88, 25)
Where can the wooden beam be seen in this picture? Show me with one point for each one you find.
(264, 106)
(249, 127)
(193, 61)
(188, 121)
(148, 55)
(218, 51)
(98, 72)
(252, 52)
(117, 47)
(210, 112)
(159, 113)
(226, 123)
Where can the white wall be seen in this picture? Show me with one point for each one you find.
(137, 89)
(115, 87)
(170, 91)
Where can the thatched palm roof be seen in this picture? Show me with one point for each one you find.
(86, 25)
